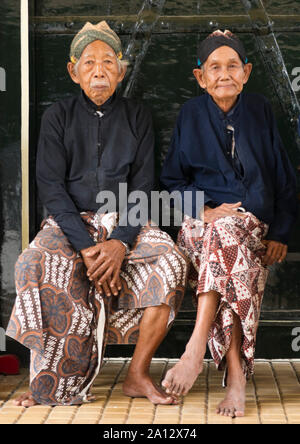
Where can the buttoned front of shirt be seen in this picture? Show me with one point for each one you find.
(230, 127)
(84, 150)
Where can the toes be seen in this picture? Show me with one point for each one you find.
(171, 389)
(176, 390)
(19, 401)
(166, 400)
(16, 402)
(226, 411)
(167, 382)
(231, 413)
(219, 409)
(175, 401)
(185, 391)
(168, 385)
(28, 403)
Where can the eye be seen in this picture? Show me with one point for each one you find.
(89, 62)
(108, 62)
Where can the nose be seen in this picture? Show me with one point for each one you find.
(224, 73)
(99, 71)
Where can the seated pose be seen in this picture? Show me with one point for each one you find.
(226, 144)
(86, 279)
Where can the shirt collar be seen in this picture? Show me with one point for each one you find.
(91, 107)
(230, 115)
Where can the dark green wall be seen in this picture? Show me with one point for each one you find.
(10, 153)
(160, 39)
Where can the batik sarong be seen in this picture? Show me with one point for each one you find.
(66, 323)
(226, 257)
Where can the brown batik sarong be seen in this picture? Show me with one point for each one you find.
(226, 257)
(66, 323)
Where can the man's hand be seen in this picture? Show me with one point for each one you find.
(88, 262)
(276, 252)
(211, 214)
(103, 264)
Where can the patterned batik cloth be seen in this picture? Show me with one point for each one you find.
(66, 323)
(226, 257)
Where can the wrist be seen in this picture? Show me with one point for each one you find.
(126, 245)
(84, 251)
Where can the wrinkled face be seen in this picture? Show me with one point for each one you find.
(223, 75)
(97, 72)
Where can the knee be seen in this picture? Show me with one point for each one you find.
(226, 221)
(231, 229)
(28, 267)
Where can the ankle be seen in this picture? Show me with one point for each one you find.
(137, 373)
(196, 350)
(194, 361)
(236, 376)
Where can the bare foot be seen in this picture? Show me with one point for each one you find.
(179, 379)
(234, 401)
(143, 387)
(25, 400)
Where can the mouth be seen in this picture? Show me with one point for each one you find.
(226, 86)
(99, 87)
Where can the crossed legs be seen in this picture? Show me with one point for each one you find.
(181, 377)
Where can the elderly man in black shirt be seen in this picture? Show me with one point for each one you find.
(88, 279)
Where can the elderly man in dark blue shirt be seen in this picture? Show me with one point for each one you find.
(226, 144)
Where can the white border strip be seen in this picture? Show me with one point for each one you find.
(100, 340)
(24, 21)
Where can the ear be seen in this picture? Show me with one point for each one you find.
(247, 71)
(198, 73)
(122, 73)
(71, 71)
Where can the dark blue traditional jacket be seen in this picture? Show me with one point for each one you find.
(259, 174)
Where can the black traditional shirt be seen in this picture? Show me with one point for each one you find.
(84, 149)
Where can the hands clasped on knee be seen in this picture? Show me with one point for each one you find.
(103, 263)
